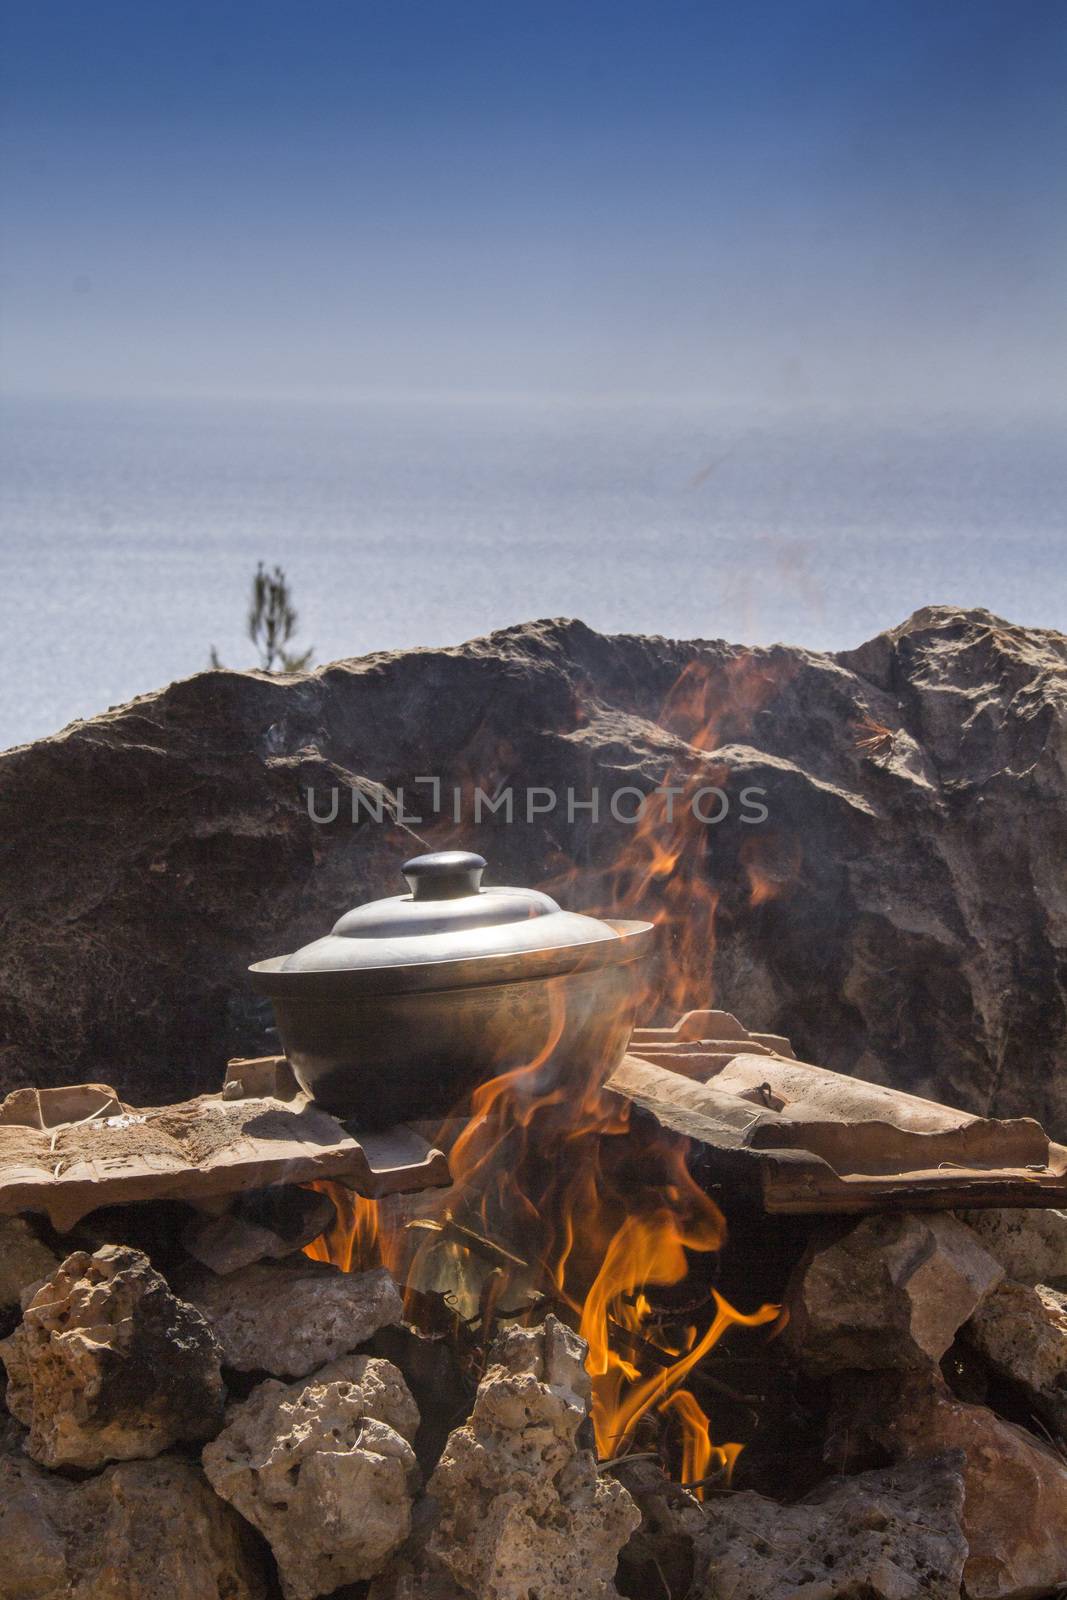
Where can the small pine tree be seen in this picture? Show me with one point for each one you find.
(272, 621)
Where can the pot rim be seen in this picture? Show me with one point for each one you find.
(632, 942)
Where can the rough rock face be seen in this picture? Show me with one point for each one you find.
(289, 1317)
(1031, 1246)
(887, 1535)
(144, 1530)
(891, 1292)
(322, 1469)
(902, 914)
(522, 1510)
(108, 1365)
(1022, 1333)
(1015, 1486)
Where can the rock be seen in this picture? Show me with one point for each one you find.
(24, 1261)
(522, 1509)
(264, 1224)
(887, 1535)
(290, 1317)
(384, 1389)
(1015, 1486)
(145, 1530)
(1030, 1245)
(1021, 1331)
(108, 1365)
(890, 1293)
(910, 929)
(320, 1470)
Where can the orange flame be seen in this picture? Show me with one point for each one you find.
(660, 868)
(356, 1239)
(608, 1220)
(700, 1458)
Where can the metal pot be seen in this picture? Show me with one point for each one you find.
(411, 1001)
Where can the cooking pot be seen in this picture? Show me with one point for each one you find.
(409, 1002)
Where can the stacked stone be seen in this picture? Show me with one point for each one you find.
(112, 1372)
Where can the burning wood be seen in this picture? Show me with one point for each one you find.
(603, 1212)
(602, 1217)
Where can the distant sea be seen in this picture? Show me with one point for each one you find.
(130, 530)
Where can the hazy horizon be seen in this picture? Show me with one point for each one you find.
(133, 529)
(686, 317)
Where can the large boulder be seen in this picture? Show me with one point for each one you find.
(521, 1508)
(901, 915)
(108, 1365)
(141, 1530)
(325, 1470)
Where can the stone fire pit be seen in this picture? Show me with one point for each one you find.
(198, 1404)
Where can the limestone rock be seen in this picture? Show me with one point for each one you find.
(290, 1317)
(262, 1225)
(893, 1534)
(108, 1365)
(144, 1530)
(1022, 1333)
(24, 1261)
(320, 1471)
(385, 1392)
(1015, 1486)
(890, 1293)
(522, 1510)
(921, 777)
(1031, 1245)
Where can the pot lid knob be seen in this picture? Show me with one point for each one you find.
(444, 875)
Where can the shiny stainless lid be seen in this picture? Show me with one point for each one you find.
(447, 916)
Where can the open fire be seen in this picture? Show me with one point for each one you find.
(599, 1222)
(597, 1217)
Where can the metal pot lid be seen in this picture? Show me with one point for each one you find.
(446, 917)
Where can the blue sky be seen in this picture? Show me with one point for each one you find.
(804, 202)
